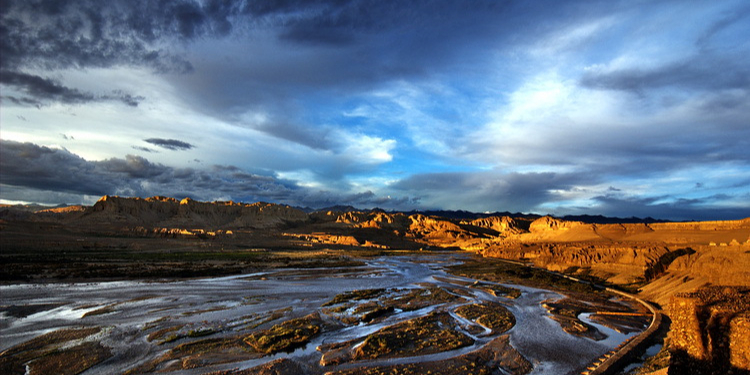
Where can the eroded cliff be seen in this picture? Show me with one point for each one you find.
(187, 213)
(710, 330)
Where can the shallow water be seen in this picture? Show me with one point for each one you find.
(225, 304)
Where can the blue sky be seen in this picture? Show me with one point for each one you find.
(619, 108)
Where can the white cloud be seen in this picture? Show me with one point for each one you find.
(570, 37)
(366, 149)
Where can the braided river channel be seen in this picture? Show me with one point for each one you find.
(325, 320)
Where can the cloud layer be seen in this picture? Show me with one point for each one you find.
(169, 144)
(49, 174)
(599, 107)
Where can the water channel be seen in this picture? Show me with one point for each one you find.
(225, 306)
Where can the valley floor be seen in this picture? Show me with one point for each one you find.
(393, 314)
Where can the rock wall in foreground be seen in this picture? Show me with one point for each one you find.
(710, 331)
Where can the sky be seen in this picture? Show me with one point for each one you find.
(615, 108)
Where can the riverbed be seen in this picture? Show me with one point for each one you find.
(142, 323)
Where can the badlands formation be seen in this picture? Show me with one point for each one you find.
(697, 273)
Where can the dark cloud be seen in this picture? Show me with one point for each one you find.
(57, 176)
(329, 52)
(59, 171)
(541, 192)
(49, 34)
(40, 90)
(43, 168)
(735, 16)
(333, 47)
(88, 33)
(315, 138)
(23, 101)
(492, 190)
(133, 167)
(296, 69)
(144, 149)
(363, 200)
(667, 207)
(170, 144)
(47, 175)
(703, 72)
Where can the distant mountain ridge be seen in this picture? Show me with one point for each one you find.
(470, 215)
(168, 212)
(623, 252)
(447, 214)
(661, 258)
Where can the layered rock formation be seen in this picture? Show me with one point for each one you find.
(503, 225)
(630, 253)
(187, 213)
(670, 257)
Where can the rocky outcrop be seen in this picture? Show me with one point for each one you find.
(702, 225)
(739, 341)
(620, 263)
(503, 225)
(715, 252)
(708, 334)
(179, 233)
(729, 265)
(382, 220)
(377, 220)
(120, 210)
(548, 223)
(39, 213)
(438, 232)
(188, 213)
(620, 231)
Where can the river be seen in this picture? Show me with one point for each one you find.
(227, 305)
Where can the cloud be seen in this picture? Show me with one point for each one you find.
(660, 207)
(133, 167)
(43, 168)
(84, 34)
(48, 175)
(490, 190)
(43, 88)
(170, 144)
(572, 193)
(38, 90)
(702, 72)
(530, 107)
(144, 149)
(43, 35)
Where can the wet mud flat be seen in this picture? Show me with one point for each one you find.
(390, 315)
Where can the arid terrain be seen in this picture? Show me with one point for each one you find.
(159, 285)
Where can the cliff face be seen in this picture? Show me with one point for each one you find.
(503, 225)
(377, 220)
(709, 332)
(739, 341)
(719, 265)
(170, 213)
(714, 252)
